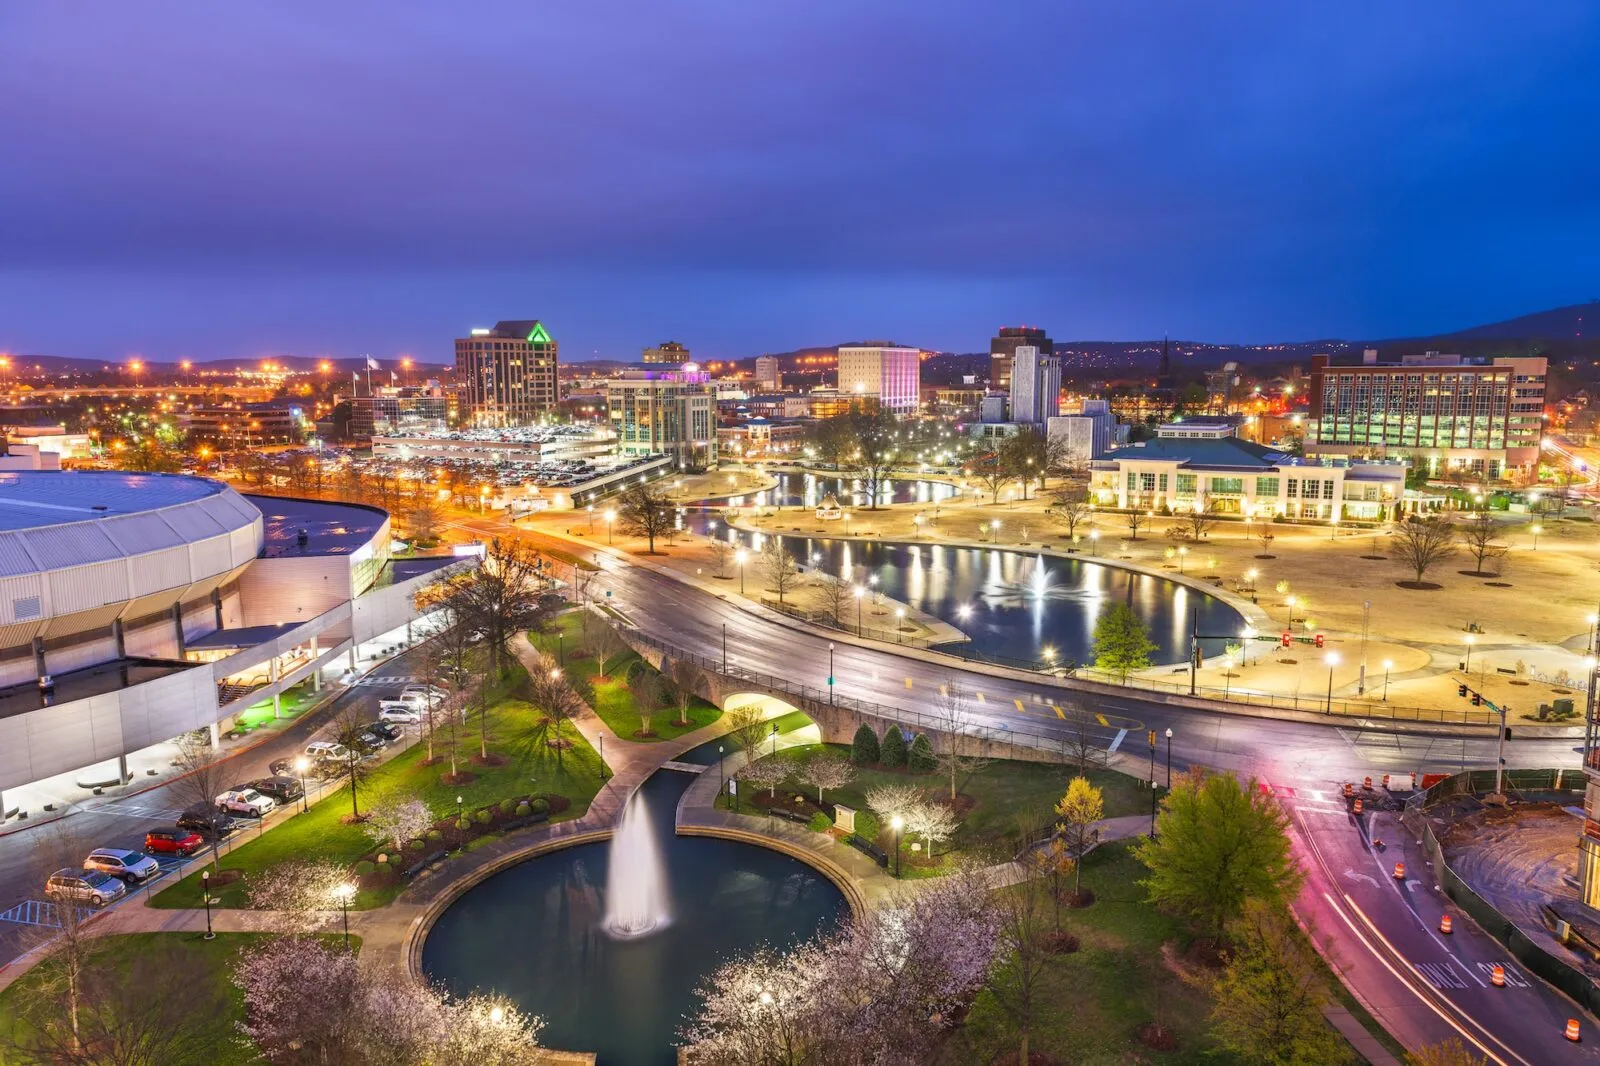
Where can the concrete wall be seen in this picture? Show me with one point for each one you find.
(293, 588)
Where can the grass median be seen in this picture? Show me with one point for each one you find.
(325, 832)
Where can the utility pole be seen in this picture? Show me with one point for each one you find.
(1194, 646)
(1361, 678)
(1500, 755)
(1152, 738)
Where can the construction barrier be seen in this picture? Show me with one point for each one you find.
(1497, 976)
(1399, 871)
(1357, 809)
(1445, 925)
(1572, 1030)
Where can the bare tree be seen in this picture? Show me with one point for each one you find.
(605, 646)
(425, 520)
(749, 729)
(826, 771)
(647, 512)
(1422, 544)
(836, 598)
(1266, 536)
(779, 567)
(991, 472)
(356, 766)
(202, 775)
(644, 685)
(1072, 508)
(550, 693)
(721, 556)
(500, 598)
(1081, 744)
(1135, 519)
(954, 722)
(1479, 534)
(1199, 518)
(70, 952)
(1016, 982)
(685, 678)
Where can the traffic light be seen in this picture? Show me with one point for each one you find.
(1287, 639)
(1477, 700)
(1152, 738)
(1319, 640)
(1461, 690)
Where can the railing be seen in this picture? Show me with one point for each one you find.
(1064, 746)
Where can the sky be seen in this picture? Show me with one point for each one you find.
(316, 177)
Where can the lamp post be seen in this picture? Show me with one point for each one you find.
(1182, 551)
(739, 557)
(1332, 659)
(611, 518)
(1250, 576)
(344, 892)
(1152, 738)
(898, 825)
(300, 767)
(774, 738)
(1536, 530)
(205, 894)
(994, 527)
(600, 734)
(1388, 664)
(899, 623)
(860, 592)
(1466, 665)
(1094, 542)
(830, 673)
(724, 647)
(1169, 758)
(722, 782)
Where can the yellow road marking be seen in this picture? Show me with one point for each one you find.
(1059, 712)
(908, 682)
(1101, 719)
(944, 690)
(980, 698)
(1019, 704)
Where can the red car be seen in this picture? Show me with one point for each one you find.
(173, 841)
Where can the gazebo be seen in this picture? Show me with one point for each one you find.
(829, 510)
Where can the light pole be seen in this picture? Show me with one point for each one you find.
(739, 557)
(1152, 739)
(1094, 542)
(1466, 665)
(1169, 758)
(994, 527)
(344, 892)
(300, 767)
(611, 519)
(601, 736)
(1250, 576)
(724, 647)
(1332, 659)
(899, 624)
(1388, 664)
(205, 894)
(774, 738)
(1182, 551)
(722, 782)
(1536, 530)
(898, 825)
(860, 592)
(830, 673)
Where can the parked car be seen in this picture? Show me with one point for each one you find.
(371, 740)
(326, 750)
(205, 818)
(388, 730)
(173, 841)
(84, 886)
(120, 862)
(395, 711)
(423, 693)
(245, 801)
(280, 790)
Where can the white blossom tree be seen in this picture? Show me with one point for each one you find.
(766, 773)
(933, 822)
(305, 891)
(394, 820)
(827, 770)
(891, 801)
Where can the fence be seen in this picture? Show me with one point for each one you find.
(1066, 747)
(1478, 782)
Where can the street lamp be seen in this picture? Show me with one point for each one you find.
(344, 893)
(994, 535)
(1536, 530)
(722, 784)
(1332, 659)
(205, 894)
(739, 557)
(899, 624)
(898, 825)
(1169, 758)
(1250, 576)
(1466, 665)
(1182, 551)
(774, 738)
(1094, 542)
(860, 592)
(301, 765)
(1388, 664)
(611, 518)
(830, 673)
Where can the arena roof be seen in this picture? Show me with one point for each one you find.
(33, 498)
(330, 528)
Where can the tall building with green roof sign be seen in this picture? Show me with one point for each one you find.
(508, 373)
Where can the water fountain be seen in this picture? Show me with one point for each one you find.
(636, 889)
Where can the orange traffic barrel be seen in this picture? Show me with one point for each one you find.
(1399, 871)
(1444, 922)
(1349, 789)
(1358, 807)
(1497, 976)
(1366, 783)
(1572, 1030)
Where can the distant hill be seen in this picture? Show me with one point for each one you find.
(1577, 322)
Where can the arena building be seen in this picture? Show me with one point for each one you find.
(138, 607)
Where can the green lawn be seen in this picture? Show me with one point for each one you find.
(609, 696)
(322, 832)
(217, 1034)
(1004, 795)
(1094, 1000)
(294, 702)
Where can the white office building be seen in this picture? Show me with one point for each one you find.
(1035, 386)
(768, 376)
(891, 376)
(1088, 434)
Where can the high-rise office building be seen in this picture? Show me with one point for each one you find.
(667, 352)
(768, 376)
(1478, 412)
(507, 374)
(1003, 348)
(671, 412)
(1035, 386)
(891, 376)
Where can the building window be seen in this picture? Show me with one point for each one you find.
(1267, 486)
(1294, 488)
(1327, 490)
(1147, 482)
(1185, 484)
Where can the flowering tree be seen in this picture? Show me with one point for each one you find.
(933, 822)
(303, 890)
(890, 801)
(1079, 810)
(394, 821)
(308, 1003)
(766, 773)
(827, 771)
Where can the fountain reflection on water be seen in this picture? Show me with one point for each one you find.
(636, 887)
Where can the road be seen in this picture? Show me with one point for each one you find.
(27, 856)
(1381, 933)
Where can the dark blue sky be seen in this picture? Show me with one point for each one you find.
(237, 179)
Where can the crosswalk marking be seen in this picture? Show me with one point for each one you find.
(1441, 975)
(1117, 743)
(38, 912)
(130, 809)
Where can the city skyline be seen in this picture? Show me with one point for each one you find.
(230, 184)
